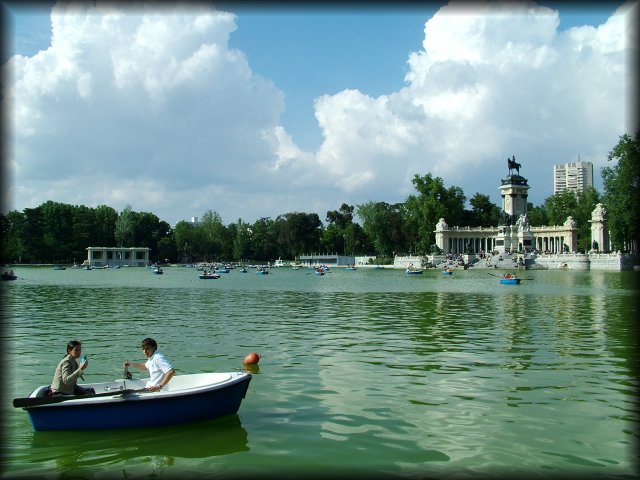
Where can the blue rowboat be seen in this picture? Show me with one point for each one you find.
(446, 272)
(187, 398)
(9, 276)
(510, 281)
(413, 271)
(262, 272)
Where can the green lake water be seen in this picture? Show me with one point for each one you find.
(362, 372)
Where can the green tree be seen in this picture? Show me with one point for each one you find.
(356, 240)
(384, 225)
(536, 215)
(483, 212)
(432, 202)
(33, 235)
(263, 239)
(560, 206)
(13, 245)
(218, 242)
(125, 228)
(57, 223)
(299, 232)
(622, 192)
(241, 240)
(186, 241)
(334, 236)
(84, 222)
(148, 230)
(105, 226)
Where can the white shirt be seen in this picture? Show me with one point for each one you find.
(157, 365)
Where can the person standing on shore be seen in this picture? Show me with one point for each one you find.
(158, 366)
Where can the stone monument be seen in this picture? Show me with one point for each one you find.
(514, 232)
(599, 232)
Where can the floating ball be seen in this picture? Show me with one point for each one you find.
(251, 358)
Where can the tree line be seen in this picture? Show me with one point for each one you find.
(60, 233)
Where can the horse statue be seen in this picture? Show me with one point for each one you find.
(513, 165)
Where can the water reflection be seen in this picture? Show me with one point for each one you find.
(373, 370)
(79, 449)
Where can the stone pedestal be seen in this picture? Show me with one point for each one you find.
(599, 232)
(513, 232)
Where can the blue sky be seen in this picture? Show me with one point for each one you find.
(333, 65)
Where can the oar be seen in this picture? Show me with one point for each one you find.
(35, 401)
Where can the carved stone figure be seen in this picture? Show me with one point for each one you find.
(441, 225)
(599, 213)
(523, 222)
(570, 222)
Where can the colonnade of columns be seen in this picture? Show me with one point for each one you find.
(550, 244)
(458, 245)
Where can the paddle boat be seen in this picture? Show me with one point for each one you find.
(126, 403)
(262, 271)
(509, 279)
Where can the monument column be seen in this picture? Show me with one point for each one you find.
(513, 230)
(599, 232)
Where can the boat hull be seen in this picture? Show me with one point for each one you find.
(414, 272)
(510, 281)
(143, 410)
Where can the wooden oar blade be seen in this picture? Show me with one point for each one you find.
(24, 402)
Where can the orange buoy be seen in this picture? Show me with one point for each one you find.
(251, 358)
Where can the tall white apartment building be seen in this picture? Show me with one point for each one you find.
(576, 176)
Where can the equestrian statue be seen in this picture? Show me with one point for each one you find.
(513, 165)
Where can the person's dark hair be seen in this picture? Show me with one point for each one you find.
(72, 344)
(149, 342)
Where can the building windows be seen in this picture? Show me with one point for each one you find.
(577, 177)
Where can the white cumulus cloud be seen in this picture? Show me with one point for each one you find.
(148, 105)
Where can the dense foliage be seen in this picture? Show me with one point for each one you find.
(60, 233)
(622, 192)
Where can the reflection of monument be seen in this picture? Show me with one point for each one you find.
(514, 233)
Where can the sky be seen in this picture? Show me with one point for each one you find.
(254, 111)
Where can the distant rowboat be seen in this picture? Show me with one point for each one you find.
(208, 276)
